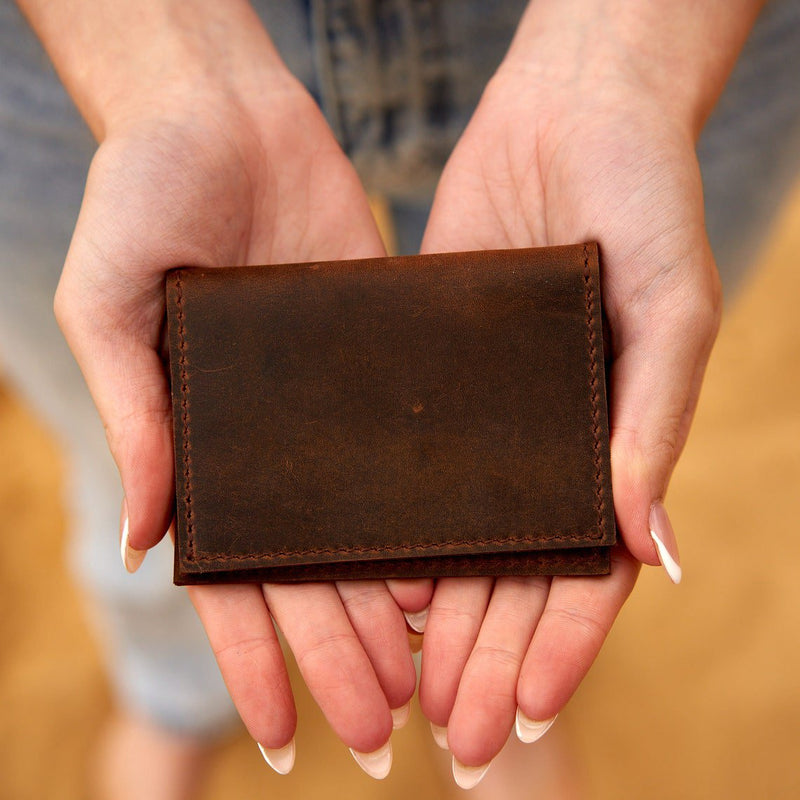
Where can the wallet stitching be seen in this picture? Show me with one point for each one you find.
(594, 383)
(187, 460)
(323, 551)
(594, 397)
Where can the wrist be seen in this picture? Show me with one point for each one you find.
(121, 60)
(680, 56)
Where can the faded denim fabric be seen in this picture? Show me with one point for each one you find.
(399, 80)
(749, 151)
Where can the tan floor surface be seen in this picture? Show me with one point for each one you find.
(696, 695)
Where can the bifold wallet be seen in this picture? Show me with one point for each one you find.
(432, 415)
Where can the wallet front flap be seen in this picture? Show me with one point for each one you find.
(427, 406)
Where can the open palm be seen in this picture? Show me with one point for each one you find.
(220, 184)
(546, 166)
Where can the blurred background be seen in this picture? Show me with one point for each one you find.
(695, 695)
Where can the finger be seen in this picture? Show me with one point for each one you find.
(457, 611)
(486, 704)
(332, 662)
(655, 382)
(250, 659)
(573, 626)
(412, 595)
(129, 387)
(114, 333)
(380, 627)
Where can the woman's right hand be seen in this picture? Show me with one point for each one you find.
(211, 154)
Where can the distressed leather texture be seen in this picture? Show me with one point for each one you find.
(431, 415)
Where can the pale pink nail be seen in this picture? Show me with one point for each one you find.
(666, 544)
(376, 764)
(440, 736)
(468, 777)
(281, 759)
(400, 716)
(131, 559)
(530, 730)
(417, 619)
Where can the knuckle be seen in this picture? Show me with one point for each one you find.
(61, 307)
(680, 300)
(701, 314)
(496, 656)
(67, 315)
(665, 442)
(446, 615)
(580, 620)
(243, 649)
(520, 596)
(363, 598)
(328, 649)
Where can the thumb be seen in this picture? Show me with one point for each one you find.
(115, 339)
(654, 387)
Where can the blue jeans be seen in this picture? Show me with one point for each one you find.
(398, 81)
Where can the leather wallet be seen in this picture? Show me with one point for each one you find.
(432, 415)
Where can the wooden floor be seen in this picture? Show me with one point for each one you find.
(696, 695)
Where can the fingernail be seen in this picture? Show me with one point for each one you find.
(376, 764)
(131, 559)
(666, 544)
(417, 619)
(400, 716)
(529, 730)
(468, 777)
(281, 760)
(440, 736)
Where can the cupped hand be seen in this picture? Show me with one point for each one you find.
(203, 175)
(549, 161)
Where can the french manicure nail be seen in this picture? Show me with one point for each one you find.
(666, 544)
(440, 736)
(131, 559)
(468, 777)
(376, 764)
(281, 760)
(400, 716)
(417, 619)
(529, 730)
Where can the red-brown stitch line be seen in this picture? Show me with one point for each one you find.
(355, 549)
(594, 395)
(187, 463)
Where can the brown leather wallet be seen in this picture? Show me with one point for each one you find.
(418, 416)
